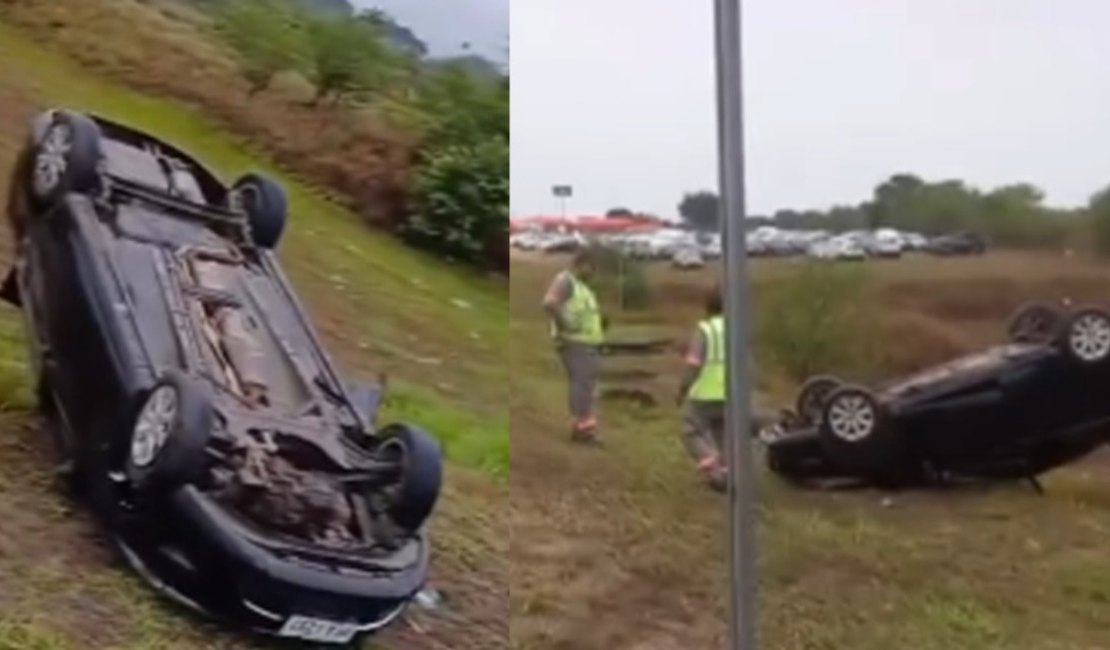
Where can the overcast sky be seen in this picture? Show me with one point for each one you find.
(616, 97)
(445, 24)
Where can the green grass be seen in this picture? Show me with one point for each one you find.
(397, 302)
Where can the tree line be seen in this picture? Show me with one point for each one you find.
(1012, 215)
(366, 65)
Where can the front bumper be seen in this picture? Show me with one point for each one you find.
(235, 573)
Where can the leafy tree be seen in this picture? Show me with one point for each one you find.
(348, 56)
(267, 36)
(461, 201)
(463, 107)
(618, 213)
(400, 36)
(701, 210)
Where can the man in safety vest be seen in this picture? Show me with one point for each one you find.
(703, 392)
(577, 327)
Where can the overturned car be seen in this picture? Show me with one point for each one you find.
(1013, 411)
(191, 398)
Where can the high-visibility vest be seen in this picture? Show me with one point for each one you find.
(710, 385)
(582, 314)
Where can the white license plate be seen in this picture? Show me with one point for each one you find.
(317, 630)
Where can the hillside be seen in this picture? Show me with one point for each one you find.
(435, 328)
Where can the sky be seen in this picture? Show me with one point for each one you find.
(617, 99)
(445, 24)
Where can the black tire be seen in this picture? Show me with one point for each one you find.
(1085, 338)
(414, 496)
(65, 157)
(811, 398)
(180, 459)
(266, 206)
(857, 434)
(1035, 322)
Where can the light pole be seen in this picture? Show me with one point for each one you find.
(731, 168)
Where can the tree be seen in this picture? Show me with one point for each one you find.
(891, 197)
(268, 37)
(618, 213)
(700, 210)
(348, 55)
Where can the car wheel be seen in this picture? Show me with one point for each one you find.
(65, 158)
(169, 434)
(412, 497)
(1034, 323)
(855, 432)
(851, 415)
(266, 206)
(1087, 336)
(811, 398)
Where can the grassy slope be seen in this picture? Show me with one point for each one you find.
(436, 330)
(628, 532)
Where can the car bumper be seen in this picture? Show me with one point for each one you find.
(263, 583)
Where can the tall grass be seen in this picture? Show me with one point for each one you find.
(818, 320)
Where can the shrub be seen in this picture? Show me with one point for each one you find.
(816, 321)
(460, 201)
(621, 280)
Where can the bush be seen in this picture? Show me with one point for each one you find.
(460, 201)
(817, 321)
(621, 279)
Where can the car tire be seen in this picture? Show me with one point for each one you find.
(856, 432)
(169, 434)
(1086, 336)
(266, 206)
(811, 398)
(1035, 323)
(413, 497)
(66, 157)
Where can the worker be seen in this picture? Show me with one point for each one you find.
(577, 328)
(702, 393)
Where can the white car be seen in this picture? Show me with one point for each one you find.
(887, 243)
(838, 248)
(687, 258)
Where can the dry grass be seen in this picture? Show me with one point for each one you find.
(621, 548)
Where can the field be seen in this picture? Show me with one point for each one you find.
(435, 330)
(620, 547)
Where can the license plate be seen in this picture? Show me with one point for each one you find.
(318, 630)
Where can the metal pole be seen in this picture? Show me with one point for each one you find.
(741, 493)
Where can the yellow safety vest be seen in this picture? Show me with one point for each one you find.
(582, 314)
(710, 385)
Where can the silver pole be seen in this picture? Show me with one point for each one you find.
(741, 493)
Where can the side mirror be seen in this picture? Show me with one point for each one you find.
(366, 399)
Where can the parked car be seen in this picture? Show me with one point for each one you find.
(1013, 411)
(191, 399)
(886, 243)
(838, 248)
(961, 243)
(688, 258)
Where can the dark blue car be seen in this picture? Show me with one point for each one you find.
(191, 399)
(1013, 411)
